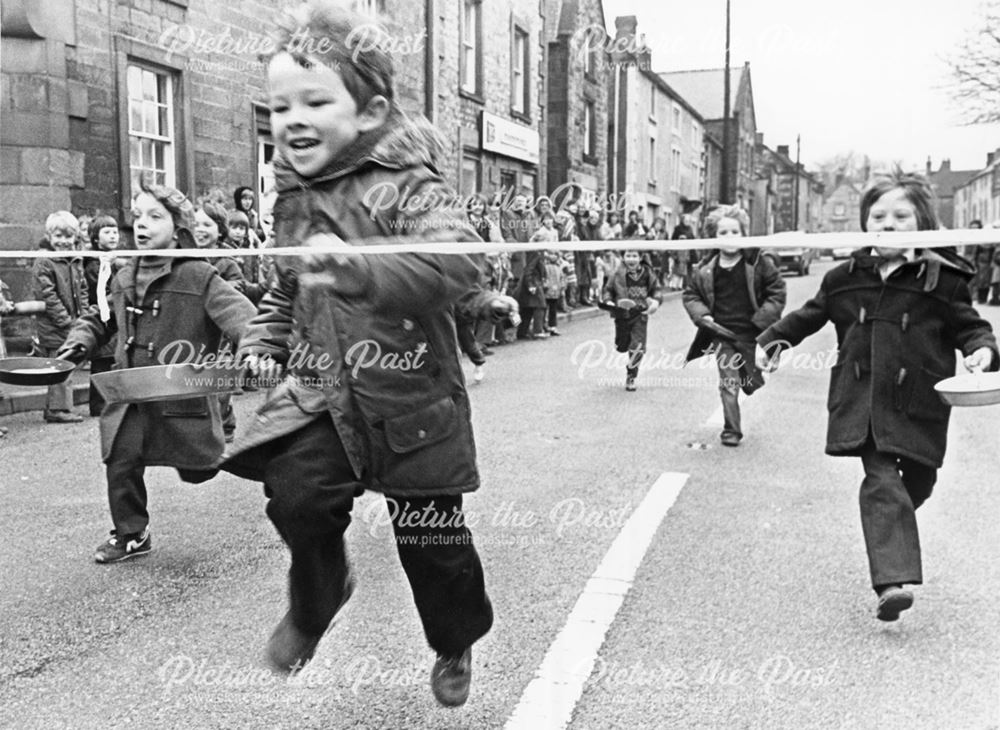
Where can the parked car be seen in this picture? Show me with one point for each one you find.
(795, 259)
(841, 253)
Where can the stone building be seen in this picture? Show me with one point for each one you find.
(657, 155)
(577, 99)
(704, 90)
(790, 179)
(489, 72)
(842, 209)
(979, 197)
(944, 181)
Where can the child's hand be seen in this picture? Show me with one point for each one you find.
(73, 353)
(980, 360)
(503, 306)
(764, 361)
(651, 305)
(263, 368)
(708, 318)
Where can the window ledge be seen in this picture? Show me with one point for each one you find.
(471, 96)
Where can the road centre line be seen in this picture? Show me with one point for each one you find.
(549, 699)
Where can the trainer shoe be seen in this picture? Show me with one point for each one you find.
(451, 677)
(630, 383)
(478, 373)
(730, 439)
(893, 600)
(289, 648)
(122, 547)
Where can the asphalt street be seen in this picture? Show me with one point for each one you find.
(750, 608)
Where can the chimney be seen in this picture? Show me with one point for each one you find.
(945, 166)
(759, 139)
(928, 164)
(783, 149)
(989, 159)
(625, 26)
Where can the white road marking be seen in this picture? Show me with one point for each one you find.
(549, 699)
(716, 420)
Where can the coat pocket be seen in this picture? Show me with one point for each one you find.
(429, 425)
(924, 403)
(186, 408)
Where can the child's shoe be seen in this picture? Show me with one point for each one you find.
(554, 332)
(121, 547)
(630, 383)
(893, 600)
(479, 373)
(730, 439)
(289, 649)
(451, 677)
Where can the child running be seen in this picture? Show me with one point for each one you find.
(732, 296)
(156, 301)
(375, 396)
(632, 293)
(900, 315)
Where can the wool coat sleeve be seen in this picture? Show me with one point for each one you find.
(971, 331)
(774, 293)
(228, 308)
(795, 326)
(694, 301)
(269, 332)
(90, 333)
(45, 287)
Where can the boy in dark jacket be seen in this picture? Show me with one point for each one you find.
(635, 283)
(375, 396)
(900, 316)
(733, 296)
(165, 311)
(61, 284)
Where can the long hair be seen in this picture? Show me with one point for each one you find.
(726, 211)
(179, 207)
(915, 189)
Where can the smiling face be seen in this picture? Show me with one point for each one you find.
(631, 260)
(206, 230)
(63, 239)
(314, 118)
(152, 223)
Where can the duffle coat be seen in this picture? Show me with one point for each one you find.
(184, 312)
(896, 338)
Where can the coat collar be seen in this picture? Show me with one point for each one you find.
(401, 142)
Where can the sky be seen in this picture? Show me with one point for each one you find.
(867, 76)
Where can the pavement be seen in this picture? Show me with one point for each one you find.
(18, 399)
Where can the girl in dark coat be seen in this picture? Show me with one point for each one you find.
(900, 316)
(169, 310)
(103, 235)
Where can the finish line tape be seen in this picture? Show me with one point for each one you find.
(329, 243)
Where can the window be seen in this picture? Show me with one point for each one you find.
(652, 101)
(677, 119)
(675, 169)
(470, 176)
(519, 88)
(695, 136)
(470, 61)
(590, 61)
(652, 160)
(528, 184)
(590, 130)
(150, 126)
(369, 8)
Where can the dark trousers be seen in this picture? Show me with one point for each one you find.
(311, 488)
(630, 337)
(893, 488)
(553, 309)
(96, 400)
(729, 361)
(465, 328)
(125, 469)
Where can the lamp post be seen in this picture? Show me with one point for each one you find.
(724, 181)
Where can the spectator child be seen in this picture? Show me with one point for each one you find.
(900, 315)
(61, 284)
(6, 307)
(554, 286)
(732, 296)
(635, 282)
(103, 236)
(340, 422)
(156, 301)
